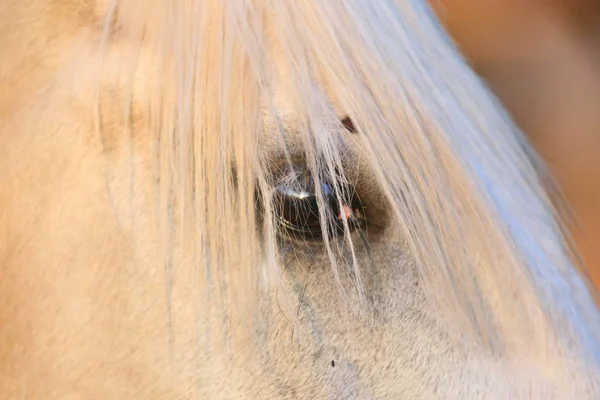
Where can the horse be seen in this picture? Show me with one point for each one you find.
(264, 199)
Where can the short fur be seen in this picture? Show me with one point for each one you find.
(138, 139)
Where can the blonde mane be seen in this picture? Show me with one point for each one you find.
(457, 176)
(447, 157)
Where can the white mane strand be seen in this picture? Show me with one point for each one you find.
(461, 181)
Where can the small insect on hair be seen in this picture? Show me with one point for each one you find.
(349, 125)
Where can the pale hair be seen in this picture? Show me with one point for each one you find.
(458, 176)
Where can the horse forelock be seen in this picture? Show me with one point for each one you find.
(459, 180)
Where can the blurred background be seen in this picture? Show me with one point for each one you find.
(542, 59)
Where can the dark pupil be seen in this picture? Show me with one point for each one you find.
(298, 211)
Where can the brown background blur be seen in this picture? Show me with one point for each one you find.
(542, 58)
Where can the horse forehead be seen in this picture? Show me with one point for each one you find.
(284, 116)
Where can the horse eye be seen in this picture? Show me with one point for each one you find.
(297, 209)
